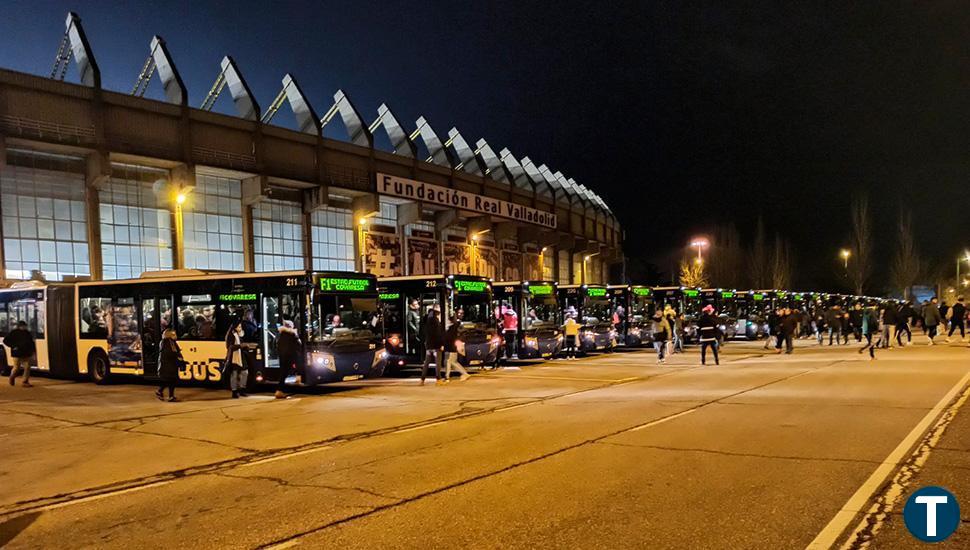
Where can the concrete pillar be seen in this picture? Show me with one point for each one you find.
(249, 256)
(307, 241)
(97, 174)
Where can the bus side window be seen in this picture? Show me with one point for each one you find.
(4, 323)
(93, 313)
(197, 322)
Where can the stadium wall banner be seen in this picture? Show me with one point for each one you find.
(445, 196)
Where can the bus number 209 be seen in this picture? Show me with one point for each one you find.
(200, 372)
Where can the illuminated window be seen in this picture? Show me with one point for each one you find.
(278, 235)
(44, 219)
(578, 269)
(548, 265)
(387, 216)
(564, 267)
(212, 220)
(332, 231)
(136, 224)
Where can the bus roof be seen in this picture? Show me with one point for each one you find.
(204, 276)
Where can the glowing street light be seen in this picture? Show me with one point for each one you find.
(845, 253)
(586, 259)
(700, 243)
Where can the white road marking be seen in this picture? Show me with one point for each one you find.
(831, 532)
(662, 420)
(92, 498)
(282, 457)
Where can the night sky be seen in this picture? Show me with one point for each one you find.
(680, 115)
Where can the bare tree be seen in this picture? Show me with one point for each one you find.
(906, 266)
(726, 259)
(781, 263)
(860, 265)
(758, 257)
(692, 273)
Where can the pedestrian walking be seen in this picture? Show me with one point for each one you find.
(931, 319)
(434, 342)
(903, 319)
(22, 348)
(571, 333)
(169, 362)
(833, 320)
(774, 329)
(789, 327)
(452, 349)
(957, 317)
(870, 327)
(290, 350)
(889, 319)
(660, 328)
(855, 319)
(707, 329)
(236, 362)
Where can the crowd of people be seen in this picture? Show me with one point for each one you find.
(880, 326)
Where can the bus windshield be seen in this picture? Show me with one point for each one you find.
(472, 309)
(642, 308)
(338, 318)
(596, 310)
(543, 312)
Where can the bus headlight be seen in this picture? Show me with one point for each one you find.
(494, 342)
(323, 360)
(587, 334)
(531, 342)
(394, 340)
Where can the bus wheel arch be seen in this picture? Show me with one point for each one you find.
(99, 368)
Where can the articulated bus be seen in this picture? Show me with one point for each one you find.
(48, 310)
(590, 305)
(539, 317)
(120, 324)
(406, 301)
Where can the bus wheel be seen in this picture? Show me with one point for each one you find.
(98, 368)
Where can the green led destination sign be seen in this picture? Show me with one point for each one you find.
(758, 297)
(596, 292)
(239, 297)
(470, 286)
(389, 295)
(344, 284)
(727, 294)
(642, 292)
(540, 290)
(691, 293)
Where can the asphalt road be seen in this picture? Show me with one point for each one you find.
(764, 451)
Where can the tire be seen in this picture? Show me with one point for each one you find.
(98, 368)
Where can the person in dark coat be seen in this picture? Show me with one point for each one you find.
(905, 316)
(169, 361)
(931, 319)
(21, 344)
(855, 320)
(957, 315)
(708, 330)
(289, 347)
(434, 342)
(789, 326)
(237, 360)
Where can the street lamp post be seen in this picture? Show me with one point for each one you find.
(362, 243)
(845, 259)
(965, 258)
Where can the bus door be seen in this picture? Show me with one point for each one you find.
(124, 338)
(156, 317)
(427, 298)
(276, 309)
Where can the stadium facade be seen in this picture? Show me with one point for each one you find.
(106, 185)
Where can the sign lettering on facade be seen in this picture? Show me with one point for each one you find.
(445, 196)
